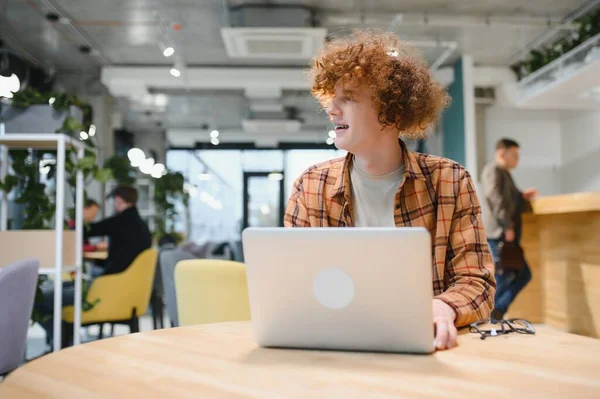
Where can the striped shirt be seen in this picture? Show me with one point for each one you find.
(435, 193)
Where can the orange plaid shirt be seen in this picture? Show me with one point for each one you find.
(435, 193)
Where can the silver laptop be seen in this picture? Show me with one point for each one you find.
(362, 289)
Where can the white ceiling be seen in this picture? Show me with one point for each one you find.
(126, 33)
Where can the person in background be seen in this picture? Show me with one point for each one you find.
(90, 211)
(375, 89)
(128, 237)
(503, 221)
(128, 234)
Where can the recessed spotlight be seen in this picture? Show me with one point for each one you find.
(175, 72)
(214, 141)
(330, 141)
(214, 134)
(169, 51)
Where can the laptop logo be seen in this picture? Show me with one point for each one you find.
(333, 288)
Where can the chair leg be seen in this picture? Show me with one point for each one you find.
(112, 330)
(134, 324)
(101, 333)
(67, 334)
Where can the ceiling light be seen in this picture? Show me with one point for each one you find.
(332, 134)
(275, 176)
(175, 72)
(147, 166)
(169, 51)
(9, 85)
(330, 141)
(92, 131)
(393, 53)
(83, 136)
(52, 100)
(158, 169)
(136, 156)
(214, 134)
(214, 141)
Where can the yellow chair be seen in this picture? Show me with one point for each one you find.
(123, 297)
(211, 291)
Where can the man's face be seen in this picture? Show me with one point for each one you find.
(120, 204)
(510, 156)
(355, 118)
(89, 213)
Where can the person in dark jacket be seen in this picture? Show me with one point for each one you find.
(128, 237)
(128, 234)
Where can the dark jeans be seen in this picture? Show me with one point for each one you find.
(46, 305)
(508, 283)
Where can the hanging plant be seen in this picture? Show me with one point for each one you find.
(589, 26)
(60, 102)
(121, 170)
(167, 191)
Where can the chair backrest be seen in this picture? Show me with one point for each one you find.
(129, 289)
(211, 291)
(168, 259)
(18, 283)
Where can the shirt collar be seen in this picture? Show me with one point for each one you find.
(412, 171)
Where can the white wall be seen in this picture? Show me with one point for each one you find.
(539, 136)
(580, 141)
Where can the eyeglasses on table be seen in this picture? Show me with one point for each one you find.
(501, 327)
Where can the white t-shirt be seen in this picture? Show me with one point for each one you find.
(373, 197)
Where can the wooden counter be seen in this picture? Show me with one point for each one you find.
(561, 239)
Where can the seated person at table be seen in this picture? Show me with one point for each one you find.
(376, 91)
(129, 236)
(90, 211)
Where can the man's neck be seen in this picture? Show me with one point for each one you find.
(502, 164)
(385, 159)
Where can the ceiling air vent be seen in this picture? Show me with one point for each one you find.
(273, 43)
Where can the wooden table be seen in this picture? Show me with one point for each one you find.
(95, 255)
(222, 360)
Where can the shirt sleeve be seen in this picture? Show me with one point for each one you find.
(296, 213)
(106, 227)
(493, 193)
(469, 269)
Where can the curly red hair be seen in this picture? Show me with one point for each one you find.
(403, 90)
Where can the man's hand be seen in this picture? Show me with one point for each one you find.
(102, 246)
(509, 235)
(530, 194)
(443, 320)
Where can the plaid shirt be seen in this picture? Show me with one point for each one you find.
(435, 193)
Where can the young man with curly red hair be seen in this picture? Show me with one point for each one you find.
(377, 90)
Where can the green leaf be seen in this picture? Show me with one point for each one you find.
(86, 163)
(9, 183)
(103, 175)
(72, 126)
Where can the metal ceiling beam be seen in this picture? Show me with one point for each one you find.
(77, 31)
(438, 20)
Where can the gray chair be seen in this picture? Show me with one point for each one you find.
(168, 259)
(18, 283)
